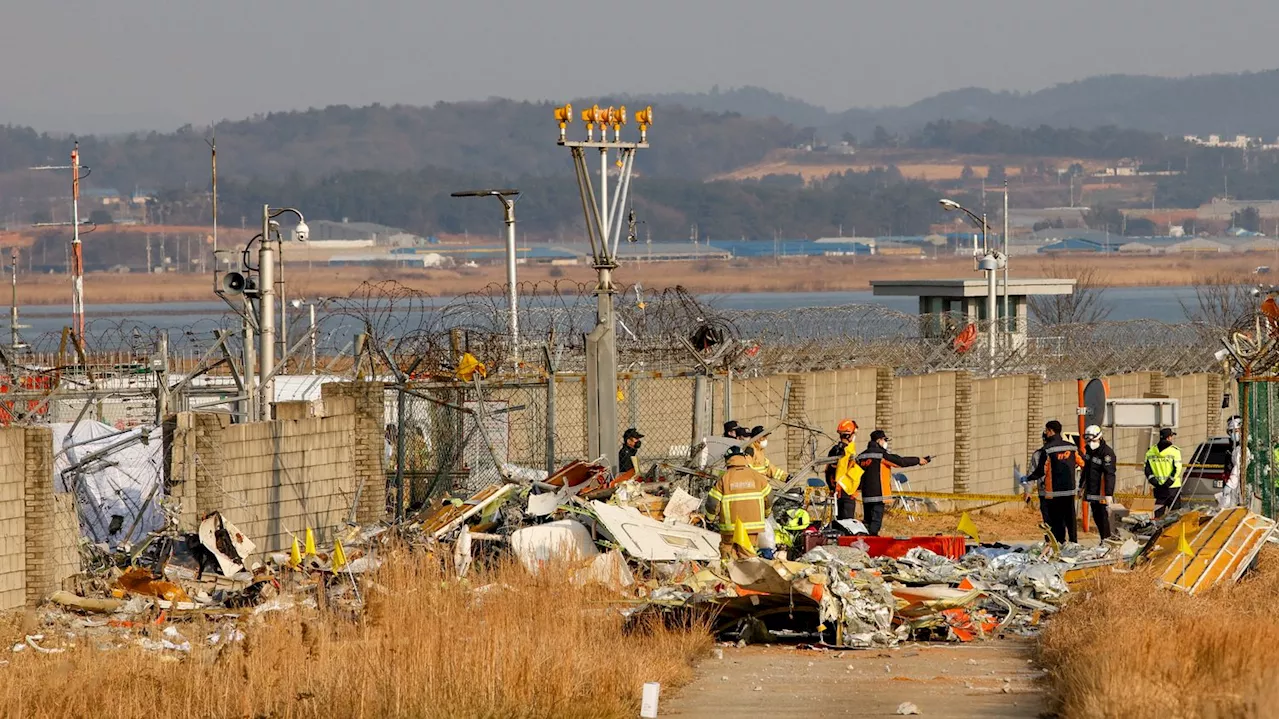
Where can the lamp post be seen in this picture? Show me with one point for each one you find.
(266, 304)
(508, 198)
(990, 262)
(603, 232)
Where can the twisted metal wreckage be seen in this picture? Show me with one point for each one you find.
(641, 537)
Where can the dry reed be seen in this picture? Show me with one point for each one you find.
(501, 644)
(1125, 648)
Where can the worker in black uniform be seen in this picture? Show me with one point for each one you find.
(627, 454)
(1099, 479)
(877, 464)
(1055, 467)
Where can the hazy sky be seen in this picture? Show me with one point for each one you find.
(110, 65)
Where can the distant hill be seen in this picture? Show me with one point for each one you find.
(494, 137)
(1226, 104)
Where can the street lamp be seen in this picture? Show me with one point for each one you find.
(508, 198)
(266, 302)
(990, 262)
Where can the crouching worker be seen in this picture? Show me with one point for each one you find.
(739, 502)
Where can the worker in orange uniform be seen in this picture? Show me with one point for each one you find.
(741, 495)
(877, 463)
(847, 431)
(1055, 467)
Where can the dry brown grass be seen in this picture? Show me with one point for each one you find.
(1124, 647)
(755, 275)
(427, 646)
(1008, 522)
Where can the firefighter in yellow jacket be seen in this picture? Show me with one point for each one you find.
(739, 502)
(757, 459)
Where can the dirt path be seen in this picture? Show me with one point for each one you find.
(960, 680)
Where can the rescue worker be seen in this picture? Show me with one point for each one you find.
(627, 453)
(732, 430)
(740, 495)
(759, 461)
(877, 463)
(795, 521)
(1099, 479)
(1055, 466)
(847, 431)
(1163, 468)
(1230, 494)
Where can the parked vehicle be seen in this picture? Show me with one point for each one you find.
(1207, 470)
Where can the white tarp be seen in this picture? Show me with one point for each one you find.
(121, 482)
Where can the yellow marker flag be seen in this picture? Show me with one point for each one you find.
(622, 396)
(1183, 546)
(469, 366)
(339, 557)
(295, 556)
(740, 536)
(309, 549)
(966, 526)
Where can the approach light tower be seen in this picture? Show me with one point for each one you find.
(604, 228)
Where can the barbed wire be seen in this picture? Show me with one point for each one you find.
(659, 330)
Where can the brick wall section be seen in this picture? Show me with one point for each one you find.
(207, 461)
(797, 412)
(13, 580)
(961, 459)
(843, 394)
(179, 466)
(1001, 432)
(924, 423)
(369, 445)
(1213, 398)
(885, 400)
(1157, 384)
(1035, 419)
(39, 508)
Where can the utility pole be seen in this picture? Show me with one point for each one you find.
(1005, 282)
(15, 338)
(75, 258)
(603, 232)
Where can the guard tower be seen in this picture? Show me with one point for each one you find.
(947, 306)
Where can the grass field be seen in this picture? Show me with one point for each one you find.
(500, 644)
(759, 275)
(1125, 648)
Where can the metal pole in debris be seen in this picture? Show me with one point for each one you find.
(508, 198)
(266, 315)
(401, 426)
(551, 411)
(602, 231)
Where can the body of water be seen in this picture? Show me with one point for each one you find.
(1125, 303)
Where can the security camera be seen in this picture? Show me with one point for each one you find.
(302, 232)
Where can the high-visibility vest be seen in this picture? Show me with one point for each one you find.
(848, 472)
(740, 495)
(1165, 464)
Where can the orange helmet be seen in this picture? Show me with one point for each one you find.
(847, 426)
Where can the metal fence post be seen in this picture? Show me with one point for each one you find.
(551, 424)
(728, 395)
(701, 423)
(401, 398)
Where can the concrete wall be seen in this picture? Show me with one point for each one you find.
(274, 479)
(13, 526)
(999, 437)
(924, 423)
(283, 476)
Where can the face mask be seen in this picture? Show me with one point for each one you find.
(1044, 436)
(1094, 444)
(885, 445)
(1235, 436)
(637, 444)
(764, 443)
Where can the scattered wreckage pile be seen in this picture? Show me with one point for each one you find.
(645, 543)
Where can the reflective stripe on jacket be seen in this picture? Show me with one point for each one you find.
(1164, 466)
(877, 472)
(1055, 467)
(1099, 472)
(740, 494)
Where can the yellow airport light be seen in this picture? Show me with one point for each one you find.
(593, 115)
(644, 118)
(564, 116)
